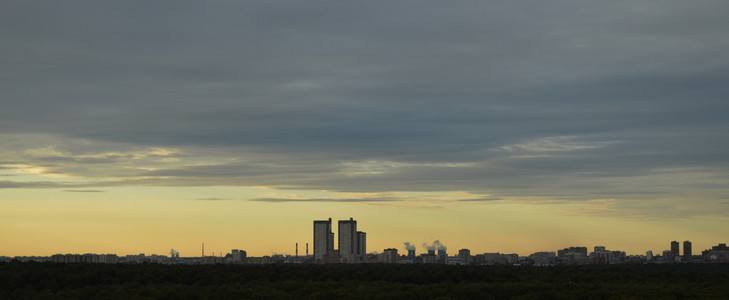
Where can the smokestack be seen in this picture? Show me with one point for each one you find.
(437, 245)
(297, 249)
(307, 249)
(203, 250)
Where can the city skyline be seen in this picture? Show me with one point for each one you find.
(436, 253)
(325, 250)
(138, 126)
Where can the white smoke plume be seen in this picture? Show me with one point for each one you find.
(437, 245)
(409, 246)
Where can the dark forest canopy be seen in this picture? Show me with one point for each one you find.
(365, 281)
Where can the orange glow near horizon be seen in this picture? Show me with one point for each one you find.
(153, 220)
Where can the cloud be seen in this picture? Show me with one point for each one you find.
(279, 200)
(554, 144)
(51, 154)
(213, 199)
(568, 100)
(84, 191)
(30, 185)
(480, 199)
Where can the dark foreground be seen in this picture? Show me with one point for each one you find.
(367, 281)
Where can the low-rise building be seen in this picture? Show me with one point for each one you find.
(717, 254)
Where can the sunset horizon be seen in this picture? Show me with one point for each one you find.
(139, 127)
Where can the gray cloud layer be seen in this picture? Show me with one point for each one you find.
(323, 200)
(570, 99)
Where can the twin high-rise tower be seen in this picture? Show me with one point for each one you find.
(675, 254)
(323, 241)
(352, 243)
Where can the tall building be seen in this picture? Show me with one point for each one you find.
(674, 251)
(389, 256)
(411, 254)
(348, 240)
(686, 251)
(601, 255)
(465, 256)
(323, 241)
(361, 245)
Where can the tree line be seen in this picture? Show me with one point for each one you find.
(30, 280)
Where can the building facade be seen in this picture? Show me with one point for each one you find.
(465, 256)
(717, 254)
(686, 251)
(674, 251)
(348, 240)
(572, 251)
(323, 241)
(361, 245)
(389, 256)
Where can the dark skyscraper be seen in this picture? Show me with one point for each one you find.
(348, 240)
(323, 241)
(465, 256)
(361, 245)
(686, 251)
(674, 251)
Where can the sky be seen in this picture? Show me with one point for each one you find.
(499, 126)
